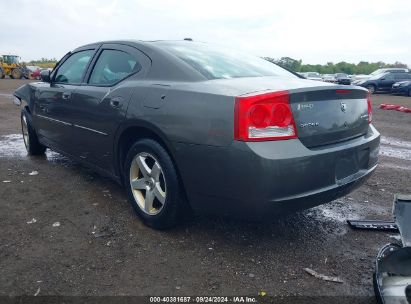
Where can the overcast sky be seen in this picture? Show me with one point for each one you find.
(314, 31)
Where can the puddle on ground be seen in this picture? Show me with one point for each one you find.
(395, 166)
(6, 95)
(13, 146)
(395, 148)
(338, 211)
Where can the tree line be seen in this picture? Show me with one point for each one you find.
(363, 67)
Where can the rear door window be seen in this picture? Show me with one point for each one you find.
(72, 70)
(113, 66)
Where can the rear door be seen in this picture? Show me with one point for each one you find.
(99, 105)
(54, 100)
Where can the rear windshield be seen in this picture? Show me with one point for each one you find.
(217, 63)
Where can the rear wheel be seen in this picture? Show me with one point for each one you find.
(371, 88)
(16, 74)
(409, 92)
(1, 73)
(153, 185)
(31, 141)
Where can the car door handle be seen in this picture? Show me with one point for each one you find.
(115, 102)
(66, 96)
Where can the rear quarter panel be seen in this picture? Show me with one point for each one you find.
(185, 116)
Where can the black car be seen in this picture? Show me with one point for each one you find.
(384, 82)
(342, 78)
(402, 88)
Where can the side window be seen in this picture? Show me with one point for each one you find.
(402, 76)
(389, 77)
(113, 66)
(72, 70)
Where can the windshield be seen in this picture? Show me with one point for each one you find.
(378, 76)
(341, 75)
(217, 63)
(379, 71)
(313, 75)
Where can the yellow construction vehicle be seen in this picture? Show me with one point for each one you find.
(10, 65)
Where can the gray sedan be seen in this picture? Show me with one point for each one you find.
(185, 126)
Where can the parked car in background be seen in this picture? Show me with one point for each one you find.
(389, 70)
(359, 78)
(383, 82)
(328, 78)
(189, 126)
(33, 71)
(313, 76)
(402, 88)
(342, 78)
(36, 74)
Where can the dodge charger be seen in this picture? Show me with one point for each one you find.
(188, 126)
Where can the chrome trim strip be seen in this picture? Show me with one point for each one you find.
(92, 130)
(54, 120)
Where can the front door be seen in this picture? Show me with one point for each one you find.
(54, 101)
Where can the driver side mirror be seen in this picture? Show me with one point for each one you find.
(45, 76)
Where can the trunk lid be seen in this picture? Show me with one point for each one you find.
(329, 115)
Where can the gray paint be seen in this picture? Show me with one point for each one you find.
(195, 119)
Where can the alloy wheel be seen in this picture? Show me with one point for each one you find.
(25, 131)
(147, 183)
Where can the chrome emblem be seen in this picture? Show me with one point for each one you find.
(343, 106)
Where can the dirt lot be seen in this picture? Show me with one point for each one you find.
(101, 248)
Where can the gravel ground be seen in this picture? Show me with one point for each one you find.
(101, 248)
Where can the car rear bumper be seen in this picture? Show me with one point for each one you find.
(266, 178)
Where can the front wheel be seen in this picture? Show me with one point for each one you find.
(16, 74)
(152, 184)
(409, 92)
(31, 141)
(371, 88)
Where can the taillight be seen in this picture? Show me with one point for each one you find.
(369, 108)
(264, 117)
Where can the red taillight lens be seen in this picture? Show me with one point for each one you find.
(369, 108)
(264, 117)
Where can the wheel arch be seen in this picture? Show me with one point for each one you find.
(23, 93)
(129, 133)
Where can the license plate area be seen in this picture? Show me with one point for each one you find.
(346, 165)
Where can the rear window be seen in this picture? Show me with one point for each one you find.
(218, 63)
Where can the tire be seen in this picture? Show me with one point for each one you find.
(1, 73)
(371, 88)
(157, 197)
(31, 141)
(409, 92)
(16, 74)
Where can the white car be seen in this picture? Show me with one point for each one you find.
(328, 78)
(313, 76)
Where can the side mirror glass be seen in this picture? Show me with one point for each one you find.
(45, 76)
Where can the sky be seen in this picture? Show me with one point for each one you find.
(315, 31)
